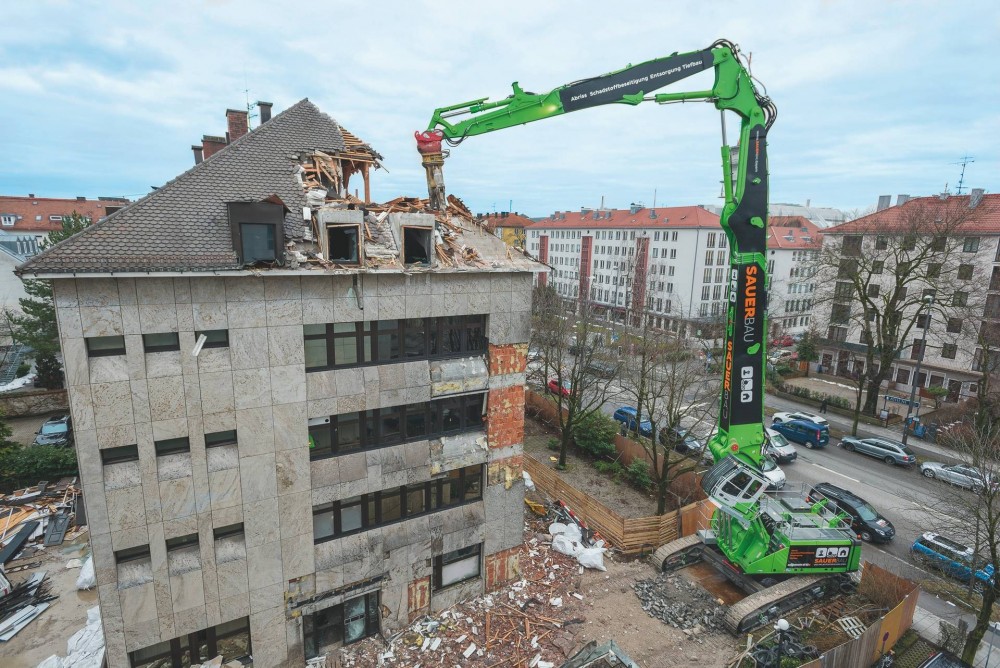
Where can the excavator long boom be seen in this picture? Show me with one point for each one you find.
(744, 216)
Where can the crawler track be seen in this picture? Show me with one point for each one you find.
(762, 605)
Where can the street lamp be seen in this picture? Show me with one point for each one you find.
(928, 302)
(781, 627)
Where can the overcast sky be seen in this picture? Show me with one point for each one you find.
(873, 97)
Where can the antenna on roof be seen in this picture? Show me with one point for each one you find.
(965, 160)
(250, 106)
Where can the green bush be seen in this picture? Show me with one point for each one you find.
(638, 474)
(614, 468)
(595, 435)
(22, 370)
(21, 466)
(553, 444)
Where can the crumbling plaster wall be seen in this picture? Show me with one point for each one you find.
(259, 387)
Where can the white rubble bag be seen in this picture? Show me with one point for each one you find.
(529, 484)
(567, 539)
(87, 579)
(85, 649)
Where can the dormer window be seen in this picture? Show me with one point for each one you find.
(344, 246)
(417, 245)
(258, 231)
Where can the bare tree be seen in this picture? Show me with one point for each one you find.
(666, 382)
(875, 273)
(974, 516)
(574, 357)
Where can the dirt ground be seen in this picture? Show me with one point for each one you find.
(619, 496)
(613, 612)
(48, 633)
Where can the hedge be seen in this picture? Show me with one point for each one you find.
(23, 467)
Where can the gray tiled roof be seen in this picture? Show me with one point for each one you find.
(184, 226)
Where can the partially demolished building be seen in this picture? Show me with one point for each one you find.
(298, 415)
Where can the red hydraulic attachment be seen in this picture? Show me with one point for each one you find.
(429, 141)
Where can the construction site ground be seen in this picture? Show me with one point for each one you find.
(47, 634)
(617, 495)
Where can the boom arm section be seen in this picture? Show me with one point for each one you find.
(744, 216)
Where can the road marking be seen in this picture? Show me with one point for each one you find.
(820, 466)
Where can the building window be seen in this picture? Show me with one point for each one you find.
(954, 325)
(228, 531)
(960, 299)
(347, 622)
(965, 272)
(417, 245)
(132, 554)
(673, 251)
(217, 438)
(258, 243)
(380, 427)
(852, 245)
(971, 245)
(873, 290)
(949, 350)
(709, 258)
(934, 270)
(172, 446)
(159, 343)
(903, 376)
(8, 220)
(105, 346)
(349, 344)
(877, 266)
(368, 511)
(231, 640)
(214, 338)
(458, 566)
(180, 542)
(124, 453)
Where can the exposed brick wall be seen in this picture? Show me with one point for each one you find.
(418, 598)
(505, 416)
(236, 124)
(509, 358)
(502, 567)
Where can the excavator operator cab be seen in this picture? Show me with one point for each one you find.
(732, 482)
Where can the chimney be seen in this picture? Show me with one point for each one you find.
(236, 124)
(884, 202)
(31, 195)
(265, 111)
(975, 197)
(902, 199)
(198, 154)
(634, 208)
(81, 198)
(652, 213)
(212, 145)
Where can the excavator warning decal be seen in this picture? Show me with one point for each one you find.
(818, 556)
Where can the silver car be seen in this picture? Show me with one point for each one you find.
(889, 451)
(962, 475)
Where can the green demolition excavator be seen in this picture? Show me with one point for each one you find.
(759, 541)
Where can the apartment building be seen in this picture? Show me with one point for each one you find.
(509, 226)
(298, 415)
(962, 331)
(37, 216)
(793, 245)
(669, 261)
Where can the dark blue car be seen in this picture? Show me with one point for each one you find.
(954, 558)
(626, 415)
(807, 433)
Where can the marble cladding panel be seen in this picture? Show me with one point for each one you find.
(230, 548)
(70, 325)
(321, 385)
(297, 556)
(284, 312)
(264, 561)
(212, 359)
(244, 288)
(185, 320)
(158, 318)
(122, 475)
(291, 429)
(295, 511)
(187, 591)
(173, 466)
(182, 290)
(214, 422)
(288, 384)
(217, 393)
(317, 311)
(261, 522)
(255, 431)
(101, 321)
(177, 498)
(258, 479)
(164, 364)
(64, 293)
(130, 319)
(209, 315)
(222, 457)
(112, 404)
(82, 407)
(233, 578)
(157, 291)
(242, 315)
(292, 470)
(204, 289)
(98, 292)
(224, 489)
(285, 345)
(248, 348)
(166, 398)
(252, 387)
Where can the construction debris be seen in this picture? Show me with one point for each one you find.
(680, 603)
(85, 649)
(24, 602)
(38, 516)
(517, 626)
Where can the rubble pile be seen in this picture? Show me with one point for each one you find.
(680, 603)
(527, 624)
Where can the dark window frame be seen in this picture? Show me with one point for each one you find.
(172, 446)
(949, 350)
(132, 554)
(470, 481)
(181, 542)
(175, 343)
(339, 622)
(209, 343)
(105, 352)
(179, 649)
(257, 213)
(217, 438)
(345, 229)
(228, 531)
(373, 434)
(461, 335)
(123, 453)
(442, 560)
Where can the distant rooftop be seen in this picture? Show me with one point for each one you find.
(673, 217)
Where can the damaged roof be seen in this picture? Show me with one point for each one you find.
(297, 157)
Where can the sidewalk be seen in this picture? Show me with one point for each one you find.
(928, 626)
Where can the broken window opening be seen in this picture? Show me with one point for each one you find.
(344, 243)
(417, 245)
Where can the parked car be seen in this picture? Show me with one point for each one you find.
(554, 387)
(962, 475)
(535, 355)
(866, 522)
(778, 448)
(782, 356)
(626, 415)
(775, 476)
(601, 368)
(684, 442)
(953, 558)
(785, 340)
(889, 451)
(56, 430)
(807, 433)
(800, 415)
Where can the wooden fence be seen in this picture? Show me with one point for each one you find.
(863, 651)
(631, 535)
